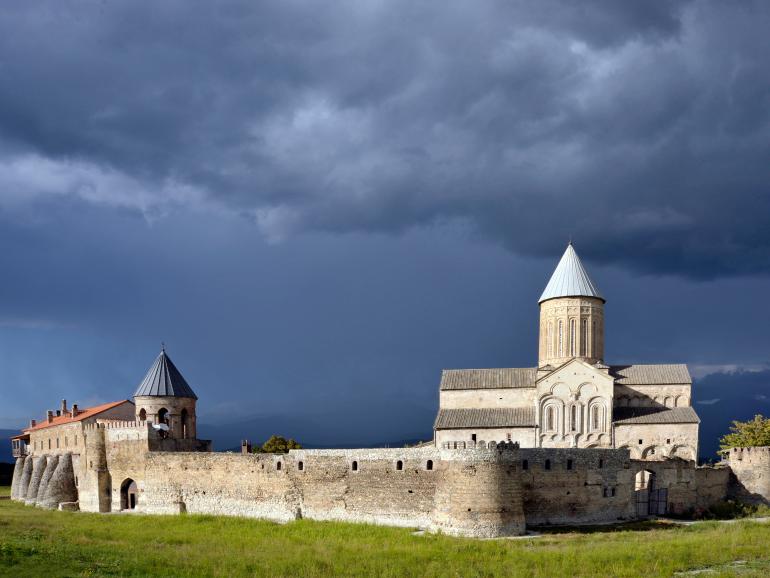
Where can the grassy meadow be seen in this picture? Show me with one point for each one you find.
(35, 542)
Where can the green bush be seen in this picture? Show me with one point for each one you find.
(277, 445)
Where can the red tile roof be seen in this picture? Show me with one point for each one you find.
(82, 414)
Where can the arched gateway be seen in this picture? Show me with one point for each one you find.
(129, 494)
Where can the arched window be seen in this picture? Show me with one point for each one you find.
(278, 466)
(525, 465)
(583, 337)
(163, 416)
(300, 466)
(549, 418)
(399, 465)
(572, 340)
(184, 423)
(547, 464)
(561, 339)
(594, 350)
(595, 418)
(429, 465)
(142, 414)
(574, 416)
(354, 466)
(550, 339)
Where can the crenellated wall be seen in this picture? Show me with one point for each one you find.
(750, 479)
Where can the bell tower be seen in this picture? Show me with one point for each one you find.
(571, 315)
(165, 399)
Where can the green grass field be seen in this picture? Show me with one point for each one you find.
(36, 542)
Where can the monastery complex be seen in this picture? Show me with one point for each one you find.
(572, 440)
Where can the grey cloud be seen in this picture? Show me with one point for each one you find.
(641, 129)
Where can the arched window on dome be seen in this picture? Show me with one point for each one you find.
(549, 339)
(561, 339)
(593, 339)
(572, 338)
(583, 336)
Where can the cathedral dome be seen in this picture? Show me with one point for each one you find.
(570, 279)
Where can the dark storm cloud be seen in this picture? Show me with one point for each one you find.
(722, 397)
(639, 128)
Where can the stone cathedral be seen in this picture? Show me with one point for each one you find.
(572, 398)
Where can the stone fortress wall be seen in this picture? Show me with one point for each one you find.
(483, 489)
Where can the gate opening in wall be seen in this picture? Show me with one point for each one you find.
(128, 494)
(650, 501)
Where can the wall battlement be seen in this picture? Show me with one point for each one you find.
(121, 424)
(750, 474)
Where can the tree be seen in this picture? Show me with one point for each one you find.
(278, 445)
(743, 434)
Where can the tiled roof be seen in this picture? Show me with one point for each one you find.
(650, 415)
(504, 378)
(570, 279)
(516, 377)
(485, 418)
(164, 380)
(82, 414)
(661, 374)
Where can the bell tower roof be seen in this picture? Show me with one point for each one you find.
(164, 380)
(570, 279)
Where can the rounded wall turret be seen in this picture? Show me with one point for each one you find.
(16, 480)
(25, 479)
(479, 494)
(571, 327)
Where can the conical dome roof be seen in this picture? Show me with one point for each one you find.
(164, 380)
(570, 279)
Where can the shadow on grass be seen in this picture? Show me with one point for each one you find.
(636, 526)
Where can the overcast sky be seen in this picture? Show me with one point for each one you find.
(319, 206)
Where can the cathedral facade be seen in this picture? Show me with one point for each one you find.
(572, 398)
